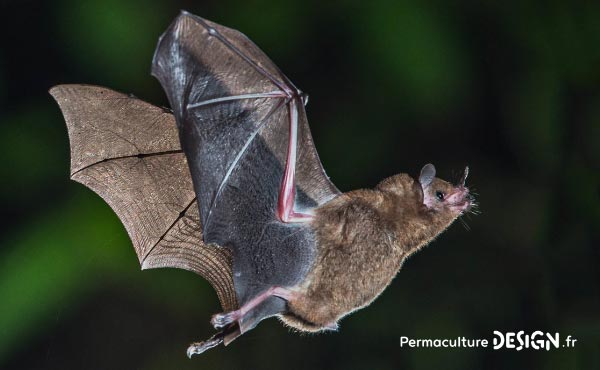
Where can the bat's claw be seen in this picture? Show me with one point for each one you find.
(198, 348)
(221, 320)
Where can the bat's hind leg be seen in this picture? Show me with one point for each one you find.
(221, 320)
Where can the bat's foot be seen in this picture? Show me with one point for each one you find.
(221, 320)
(198, 348)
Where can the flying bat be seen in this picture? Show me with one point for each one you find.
(228, 184)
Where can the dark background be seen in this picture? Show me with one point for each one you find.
(510, 88)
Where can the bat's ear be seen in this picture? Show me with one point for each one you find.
(427, 175)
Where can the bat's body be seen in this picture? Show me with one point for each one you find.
(255, 214)
(362, 239)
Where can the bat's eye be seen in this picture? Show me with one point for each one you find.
(440, 195)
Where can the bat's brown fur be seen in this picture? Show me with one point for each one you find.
(363, 238)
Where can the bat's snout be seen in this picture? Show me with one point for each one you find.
(460, 200)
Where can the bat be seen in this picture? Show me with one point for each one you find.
(228, 184)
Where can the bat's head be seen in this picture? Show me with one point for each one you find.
(443, 197)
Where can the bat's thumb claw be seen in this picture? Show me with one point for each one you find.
(200, 347)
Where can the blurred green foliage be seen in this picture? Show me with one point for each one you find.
(99, 34)
(511, 88)
(417, 49)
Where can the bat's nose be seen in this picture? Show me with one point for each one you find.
(458, 194)
(460, 199)
(463, 192)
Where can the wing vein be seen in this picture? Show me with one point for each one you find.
(179, 217)
(272, 94)
(127, 156)
(285, 86)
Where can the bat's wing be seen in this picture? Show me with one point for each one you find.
(128, 152)
(243, 128)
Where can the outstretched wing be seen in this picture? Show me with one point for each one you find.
(238, 116)
(128, 152)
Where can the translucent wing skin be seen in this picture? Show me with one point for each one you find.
(128, 152)
(233, 108)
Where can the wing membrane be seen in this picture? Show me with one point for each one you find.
(128, 152)
(233, 109)
(200, 62)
